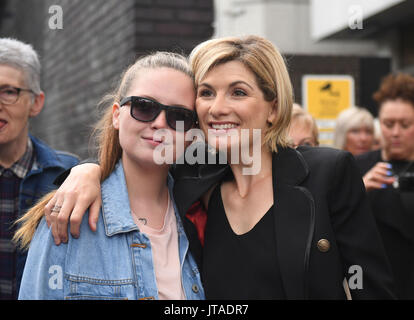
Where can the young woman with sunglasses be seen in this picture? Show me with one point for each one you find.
(139, 250)
(297, 228)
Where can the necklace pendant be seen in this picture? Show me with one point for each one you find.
(396, 184)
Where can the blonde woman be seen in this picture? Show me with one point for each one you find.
(354, 131)
(293, 230)
(303, 129)
(139, 250)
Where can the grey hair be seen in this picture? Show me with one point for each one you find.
(351, 118)
(22, 56)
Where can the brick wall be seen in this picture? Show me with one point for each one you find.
(80, 64)
(23, 20)
(173, 25)
(99, 39)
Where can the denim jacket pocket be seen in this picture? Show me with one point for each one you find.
(85, 288)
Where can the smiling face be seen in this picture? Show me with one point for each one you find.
(229, 98)
(14, 117)
(397, 126)
(165, 85)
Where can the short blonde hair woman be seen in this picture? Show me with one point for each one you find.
(269, 68)
(354, 131)
(243, 83)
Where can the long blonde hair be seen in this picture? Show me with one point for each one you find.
(265, 61)
(106, 136)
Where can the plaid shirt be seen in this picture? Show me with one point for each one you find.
(10, 180)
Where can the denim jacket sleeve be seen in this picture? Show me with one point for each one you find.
(44, 269)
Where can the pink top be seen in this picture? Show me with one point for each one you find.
(165, 255)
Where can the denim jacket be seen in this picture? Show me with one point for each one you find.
(39, 180)
(113, 263)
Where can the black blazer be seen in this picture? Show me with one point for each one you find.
(323, 222)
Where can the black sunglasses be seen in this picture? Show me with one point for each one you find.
(147, 110)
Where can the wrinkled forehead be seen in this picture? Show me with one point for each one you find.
(11, 75)
(232, 67)
(396, 109)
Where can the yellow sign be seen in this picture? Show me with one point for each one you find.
(326, 96)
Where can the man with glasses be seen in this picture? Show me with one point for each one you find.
(28, 167)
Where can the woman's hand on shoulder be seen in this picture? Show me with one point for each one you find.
(81, 190)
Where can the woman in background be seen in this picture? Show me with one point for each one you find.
(303, 129)
(388, 175)
(354, 131)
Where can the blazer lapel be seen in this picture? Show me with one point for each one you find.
(193, 181)
(294, 221)
(293, 210)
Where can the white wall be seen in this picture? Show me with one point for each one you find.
(287, 23)
(239, 17)
(330, 16)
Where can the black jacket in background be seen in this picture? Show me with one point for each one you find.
(395, 226)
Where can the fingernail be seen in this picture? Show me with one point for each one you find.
(389, 165)
(383, 186)
(389, 173)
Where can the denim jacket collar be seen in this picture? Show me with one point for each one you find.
(116, 210)
(45, 156)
